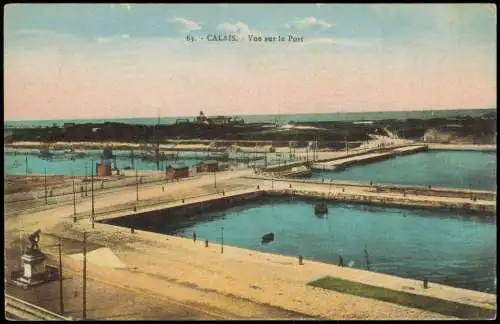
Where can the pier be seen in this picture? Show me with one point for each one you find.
(338, 164)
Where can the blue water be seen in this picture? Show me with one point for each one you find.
(457, 169)
(58, 165)
(448, 248)
(334, 116)
(16, 165)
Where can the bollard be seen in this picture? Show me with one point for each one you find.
(426, 283)
(206, 243)
(290, 185)
(132, 230)
(300, 260)
(135, 209)
(182, 200)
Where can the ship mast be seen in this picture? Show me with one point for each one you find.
(157, 144)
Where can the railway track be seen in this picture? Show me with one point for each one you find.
(18, 309)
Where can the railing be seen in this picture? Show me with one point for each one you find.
(16, 308)
(146, 204)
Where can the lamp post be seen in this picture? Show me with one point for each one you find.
(221, 239)
(85, 179)
(92, 188)
(61, 302)
(84, 299)
(74, 197)
(45, 185)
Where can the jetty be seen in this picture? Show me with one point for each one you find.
(339, 164)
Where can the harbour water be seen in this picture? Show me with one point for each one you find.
(58, 165)
(447, 248)
(457, 169)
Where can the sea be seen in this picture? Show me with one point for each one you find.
(282, 118)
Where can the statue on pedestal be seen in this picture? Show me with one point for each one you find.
(33, 240)
(34, 271)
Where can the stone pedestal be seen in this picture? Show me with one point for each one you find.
(33, 269)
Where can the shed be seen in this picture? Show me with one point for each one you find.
(103, 169)
(208, 166)
(176, 171)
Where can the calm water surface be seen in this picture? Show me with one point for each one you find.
(448, 248)
(457, 169)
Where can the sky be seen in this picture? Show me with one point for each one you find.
(69, 61)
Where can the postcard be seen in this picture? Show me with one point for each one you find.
(250, 161)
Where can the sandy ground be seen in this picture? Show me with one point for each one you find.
(236, 284)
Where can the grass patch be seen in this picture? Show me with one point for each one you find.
(427, 303)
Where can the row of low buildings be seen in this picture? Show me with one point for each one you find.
(177, 171)
(172, 171)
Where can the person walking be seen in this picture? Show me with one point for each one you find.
(194, 236)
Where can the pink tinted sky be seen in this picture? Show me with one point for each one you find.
(59, 75)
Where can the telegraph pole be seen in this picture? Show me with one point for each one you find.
(61, 301)
(215, 179)
(84, 314)
(85, 179)
(26, 166)
(346, 145)
(136, 186)
(74, 198)
(45, 184)
(92, 188)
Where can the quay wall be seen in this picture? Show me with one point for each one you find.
(408, 189)
(388, 201)
(182, 209)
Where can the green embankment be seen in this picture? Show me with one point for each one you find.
(427, 303)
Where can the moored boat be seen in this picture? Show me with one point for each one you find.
(320, 208)
(268, 238)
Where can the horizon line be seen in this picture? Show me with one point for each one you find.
(255, 114)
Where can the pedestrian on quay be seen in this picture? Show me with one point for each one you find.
(341, 261)
(163, 188)
(194, 236)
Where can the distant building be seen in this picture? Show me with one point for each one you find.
(176, 171)
(437, 136)
(219, 120)
(103, 169)
(182, 121)
(208, 166)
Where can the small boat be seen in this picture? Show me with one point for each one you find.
(45, 153)
(268, 238)
(321, 208)
(72, 154)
